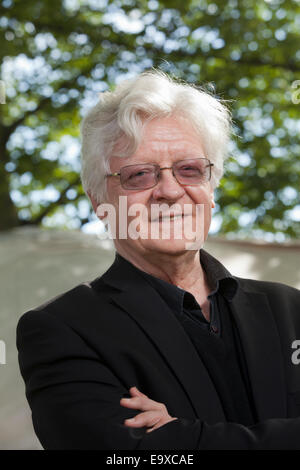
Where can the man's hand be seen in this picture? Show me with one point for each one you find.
(154, 414)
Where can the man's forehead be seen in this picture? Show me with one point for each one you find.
(163, 137)
(157, 153)
(169, 129)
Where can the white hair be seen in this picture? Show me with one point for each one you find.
(124, 112)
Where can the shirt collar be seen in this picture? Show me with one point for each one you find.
(219, 278)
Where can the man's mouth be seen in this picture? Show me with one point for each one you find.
(171, 217)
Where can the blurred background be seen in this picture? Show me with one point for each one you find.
(56, 58)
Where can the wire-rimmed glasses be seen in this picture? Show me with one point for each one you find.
(190, 171)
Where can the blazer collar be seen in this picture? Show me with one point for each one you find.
(255, 323)
(261, 344)
(143, 304)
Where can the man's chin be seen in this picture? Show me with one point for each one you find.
(172, 246)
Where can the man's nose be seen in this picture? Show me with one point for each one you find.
(167, 186)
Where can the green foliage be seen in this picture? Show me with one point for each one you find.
(56, 56)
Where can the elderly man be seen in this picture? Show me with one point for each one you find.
(167, 349)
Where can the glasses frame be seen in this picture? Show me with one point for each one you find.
(158, 173)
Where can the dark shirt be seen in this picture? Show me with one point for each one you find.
(217, 340)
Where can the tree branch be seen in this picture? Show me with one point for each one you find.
(43, 103)
(61, 200)
(257, 61)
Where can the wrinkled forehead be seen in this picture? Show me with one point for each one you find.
(169, 138)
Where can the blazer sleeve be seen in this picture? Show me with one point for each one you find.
(75, 397)
(75, 401)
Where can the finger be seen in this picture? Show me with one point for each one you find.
(136, 392)
(136, 403)
(156, 426)
(148, 419)
(141, 403)
(160, 423)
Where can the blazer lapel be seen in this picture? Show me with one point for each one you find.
(144, 305)
(261, 342)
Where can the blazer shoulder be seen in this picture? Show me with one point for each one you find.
(268, 287)
(77, 296)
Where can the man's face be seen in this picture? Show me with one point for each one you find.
(165, 141)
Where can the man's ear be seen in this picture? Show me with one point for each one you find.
(93, 201)
(95, 205)
(212, 199)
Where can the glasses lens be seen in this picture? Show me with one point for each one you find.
(192, 171)
(138, 176)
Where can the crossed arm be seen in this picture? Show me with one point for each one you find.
(153, 414)
(75, 402)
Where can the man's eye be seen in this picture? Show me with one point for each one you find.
(139, 173)
(190, 169)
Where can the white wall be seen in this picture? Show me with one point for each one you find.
(36, 265)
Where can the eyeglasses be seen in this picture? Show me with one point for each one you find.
(191, 171)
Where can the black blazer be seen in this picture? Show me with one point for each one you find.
(81, 351)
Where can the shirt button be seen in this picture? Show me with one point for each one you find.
(214, 329)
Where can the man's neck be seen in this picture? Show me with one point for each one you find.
(184, 271)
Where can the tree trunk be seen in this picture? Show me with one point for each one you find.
(8, 212)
